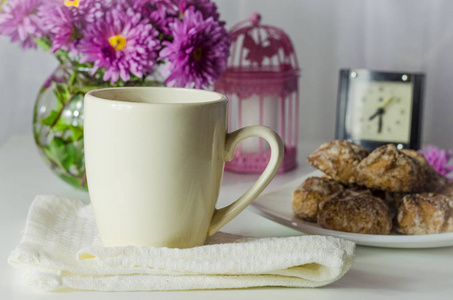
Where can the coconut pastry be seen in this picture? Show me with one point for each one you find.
(338, 159)
(431, 180)
(446, 189)
(388, 169)
(425, 213)
(356, 211)
(310, 194)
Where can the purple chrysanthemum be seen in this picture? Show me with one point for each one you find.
(122, 43)
(90, 10)
(81, 11)
(206, 7)
(439, 158)
(198, 53)
(19, 21)
(159, 12)
(58, 24)
(64, 19)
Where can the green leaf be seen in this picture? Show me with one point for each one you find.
(73, 77)
(60, 126)
(77, 132)
(62, 56)
(82, 90)
(78, 156)
(69, 156)
(50, 119)
(56, 152)
(75, 182)
(59, 106)
(43, 44)
(66, 155)
(62, 93)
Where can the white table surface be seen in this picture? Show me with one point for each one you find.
(376, 273)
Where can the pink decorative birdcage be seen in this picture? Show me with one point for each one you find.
(261, 82)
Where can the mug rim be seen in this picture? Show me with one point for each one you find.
(218, 97)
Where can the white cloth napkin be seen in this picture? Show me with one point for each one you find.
(60, 248)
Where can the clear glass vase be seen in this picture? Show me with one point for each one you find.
(58, 119)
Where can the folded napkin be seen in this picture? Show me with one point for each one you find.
(60, 248)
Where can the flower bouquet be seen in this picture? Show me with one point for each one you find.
(179, 43)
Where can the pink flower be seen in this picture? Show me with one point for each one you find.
(20, 21)
(198, 53)
(439, 158)
(123, 43)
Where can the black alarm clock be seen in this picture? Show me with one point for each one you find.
(376, 108)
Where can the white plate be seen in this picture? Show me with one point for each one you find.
(276, 206)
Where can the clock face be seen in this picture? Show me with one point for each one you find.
(379, 111)
(376, 108)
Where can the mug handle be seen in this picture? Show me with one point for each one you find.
(226, 214)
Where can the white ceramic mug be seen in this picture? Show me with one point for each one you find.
(154, 160)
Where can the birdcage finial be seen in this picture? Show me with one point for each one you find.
(255, 18)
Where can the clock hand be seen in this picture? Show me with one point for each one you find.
(379, 112)
(379, 130)
(387, 102)
(381, 109)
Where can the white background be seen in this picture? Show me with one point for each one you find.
(404, 35)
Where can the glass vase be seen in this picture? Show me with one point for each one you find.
(58, 119)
